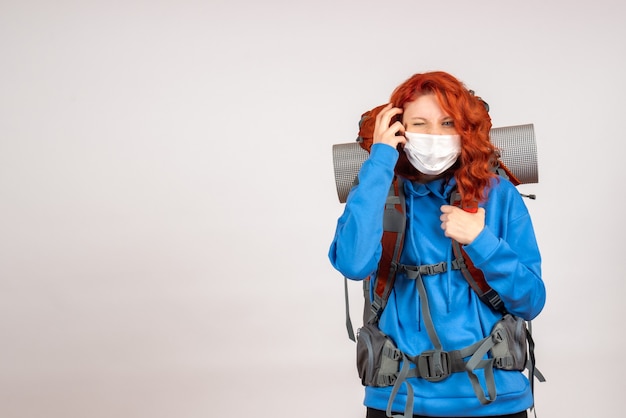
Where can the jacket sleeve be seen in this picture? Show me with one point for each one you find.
(356, 249)
(510, 258)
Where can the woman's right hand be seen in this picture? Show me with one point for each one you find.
(386, 132)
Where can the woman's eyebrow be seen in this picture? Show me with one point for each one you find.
(425, 118)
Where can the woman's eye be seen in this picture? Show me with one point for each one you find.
(448, 123)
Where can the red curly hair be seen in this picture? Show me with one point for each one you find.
(472, 122)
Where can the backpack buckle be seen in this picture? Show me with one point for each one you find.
(434, 268)
(433, 365)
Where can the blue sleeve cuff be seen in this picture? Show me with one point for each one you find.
(384, 151)
(483, 246)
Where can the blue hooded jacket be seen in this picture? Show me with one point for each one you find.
(506, 251)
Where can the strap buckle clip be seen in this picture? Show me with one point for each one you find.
(434, 365)
(434, 268)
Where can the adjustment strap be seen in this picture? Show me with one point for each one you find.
(347, 304)
(428, 320)
(490, 381)
(408, 407)
(475, 362)
(436, 367)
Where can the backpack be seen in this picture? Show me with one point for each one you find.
(510, 344)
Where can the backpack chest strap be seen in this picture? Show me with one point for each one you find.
(413, 272)
(476, 280)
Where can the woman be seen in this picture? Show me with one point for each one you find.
(434, 135)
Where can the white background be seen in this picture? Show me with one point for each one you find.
(167, 196)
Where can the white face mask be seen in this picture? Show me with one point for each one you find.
(432, 154)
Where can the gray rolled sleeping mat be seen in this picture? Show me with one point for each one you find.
(517, 146)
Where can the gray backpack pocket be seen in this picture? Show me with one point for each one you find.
(510, 349)
(377, 359)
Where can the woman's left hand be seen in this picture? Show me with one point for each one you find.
(460, 225)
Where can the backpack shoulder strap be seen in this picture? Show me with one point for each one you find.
(476, 279)
(394, 222)
(471, 273)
